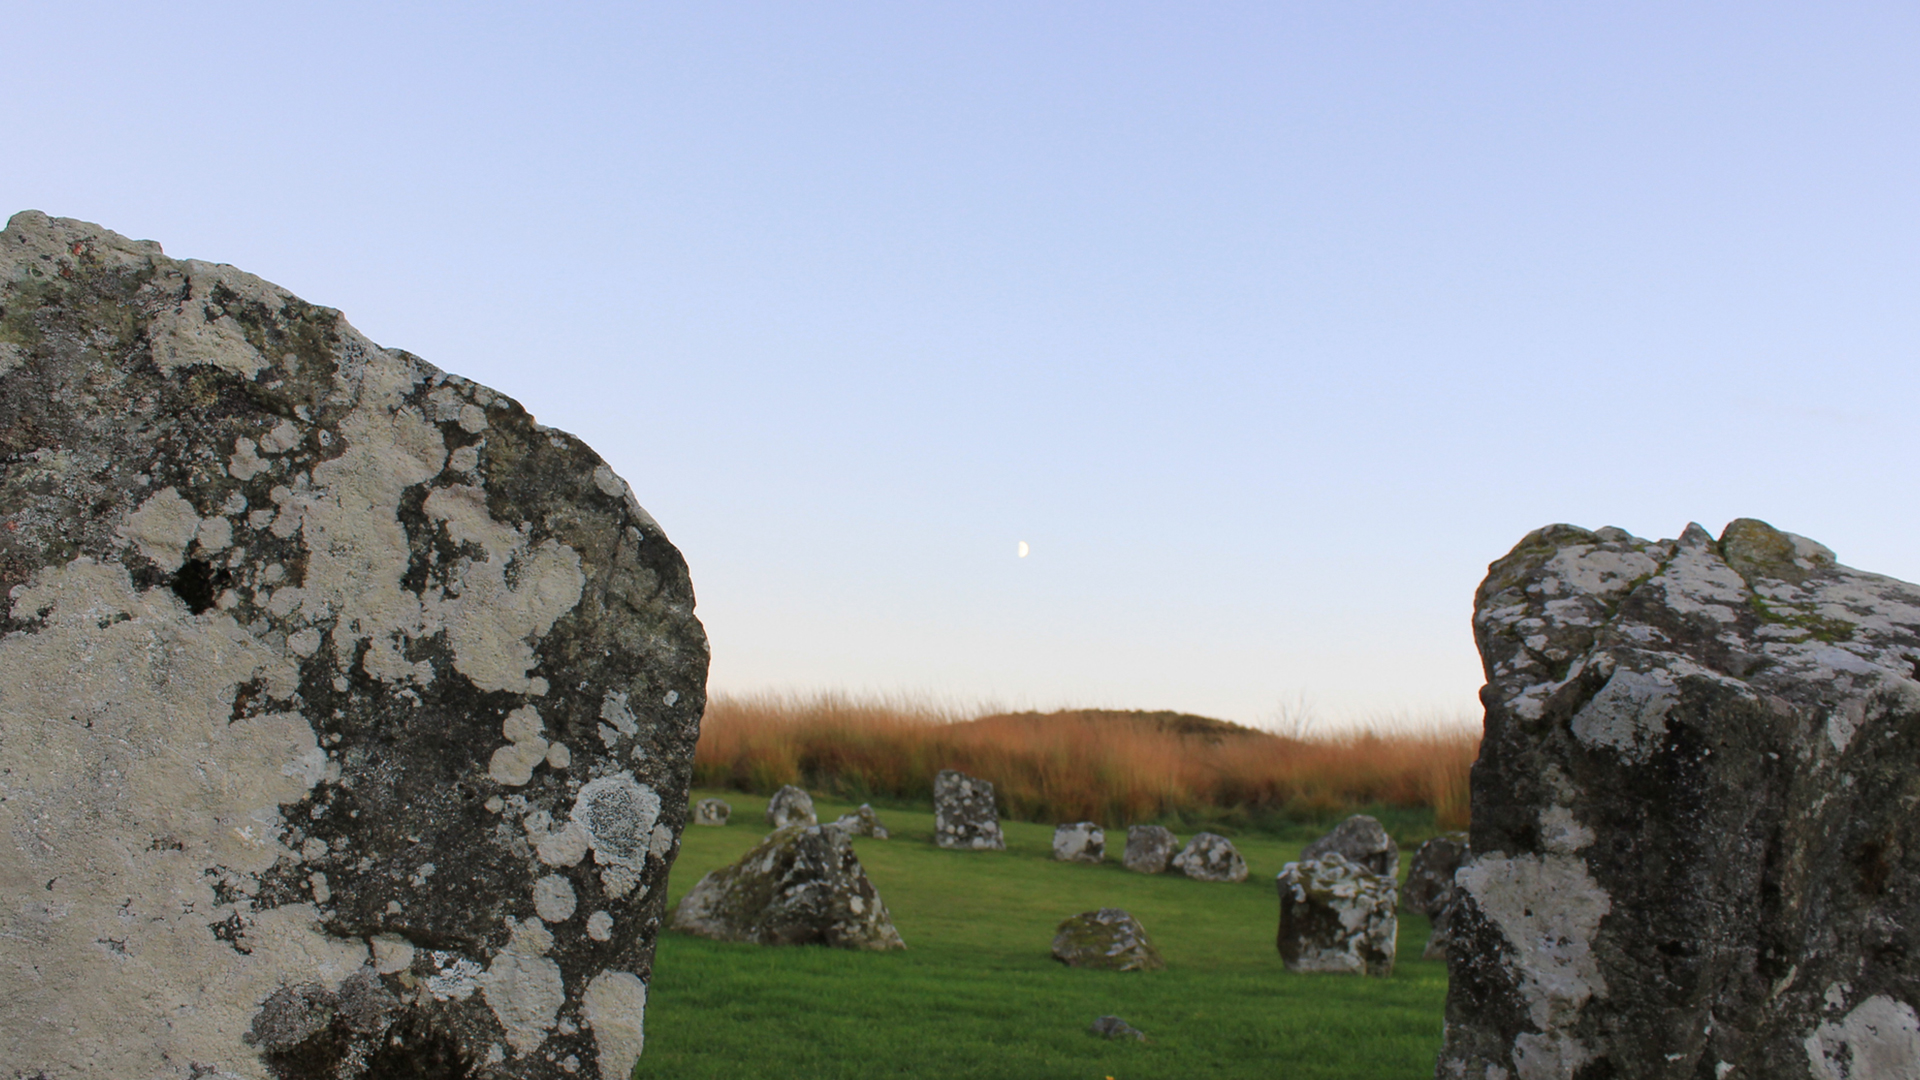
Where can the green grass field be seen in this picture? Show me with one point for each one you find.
(977, 993)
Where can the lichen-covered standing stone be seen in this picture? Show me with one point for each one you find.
(964, 814)
(1211, 857)
(346, 713)
(1109, 939)
(1695, 850)
(1336, 916)
(1150, 849)
(790, 806)
(862, 822)
(1429, 886)
(802, 885)
(712, 812)
(1081, 841)
(1362, 839)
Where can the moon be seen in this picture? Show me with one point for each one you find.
(1024, 549)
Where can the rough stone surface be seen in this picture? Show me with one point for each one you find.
(964, 814)
(326, 678)
(802, 885)
(1211, 857)
(862, 822)
(790, 806)
(1694, 839)
(1082, 841)
(1150, 849)
(1336, 916)
(1363, 840)
(1109, 939)
(1112, 1027)
(1429, 887)
(712, 812)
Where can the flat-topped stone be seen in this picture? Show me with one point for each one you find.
(1080, 841)
(1211, 857)
(712, 812)
(346, 713)
(1362, 839)
(965, 817)
(1693, 830)
(1150, 849)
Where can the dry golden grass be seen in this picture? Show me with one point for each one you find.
(1112, 767)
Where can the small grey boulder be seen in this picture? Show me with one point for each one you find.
(790, 806)
(1211, 857)
(1082, 841)
(802, 885)
(1109, 939)
(1362, 839)
(862, 822)
(1150, 849)
(711, 812)
(1336, 916)
(964, 815)
(1112, 1027)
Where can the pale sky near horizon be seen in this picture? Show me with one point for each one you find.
(1267, 326)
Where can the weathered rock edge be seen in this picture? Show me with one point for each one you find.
(346, 713)
(1693, 848)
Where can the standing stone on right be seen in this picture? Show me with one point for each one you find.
(1211, 857)
(790, 806)
(1150, 849)
(1364, 840)
(1694, 846)
(964, 815)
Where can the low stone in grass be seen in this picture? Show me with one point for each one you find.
(1112, 1027)
(1336, 916)
(1108, 939)
(964, 814)
(711, 812)
(790, 806)
(1082, 841)
(802, 885)
(1150, 849)
(1211, 857)
(862, 822)
(1362, 839)
(1429, 886)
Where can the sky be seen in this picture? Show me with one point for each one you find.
(1266, 326)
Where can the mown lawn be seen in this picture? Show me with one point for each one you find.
(977, 994)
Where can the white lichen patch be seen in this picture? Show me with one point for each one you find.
(600, 926)
(1561, 834)
(391, 953)
(553, 898)
(526, 748)
(1596, 571)
(619, 814)
(162, 528)
(455, 978)
(1878, 1040)
(198, 330)
(615, 1008)
(524, 988)
(1629, 714)
(121, 703)
(1549, 909)
(1548, 1057)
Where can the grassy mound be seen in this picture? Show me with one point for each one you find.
(977, 994)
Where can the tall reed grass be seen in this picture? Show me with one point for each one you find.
(1115, 768)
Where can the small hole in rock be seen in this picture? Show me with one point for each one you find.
(199, 584)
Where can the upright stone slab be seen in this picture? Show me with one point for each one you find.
(1694, 838)
(1150, 849)
(1362, 839)
(964, 815)
(790, 806)
(802, 885)
(1336, 916)
(346, 714)
(1081, 841)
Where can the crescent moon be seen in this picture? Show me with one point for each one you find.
(1024, 549)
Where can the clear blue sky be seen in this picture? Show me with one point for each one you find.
(1267, 325)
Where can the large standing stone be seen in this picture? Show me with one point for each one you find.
(1429, 887)
(1150, 849)
(1211, 857)
(1082, 841)
(964, 814)
(712, 812)
(802, 885)
(790, 806)
(346, 714)
(1362, 839)
(1694, 842)
(1336, 915)
(1109, 939)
